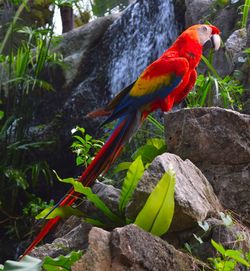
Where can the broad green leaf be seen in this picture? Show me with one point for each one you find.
(26, 264)
(153, 148)
(63, 212)
(131, 180)
(157, 213)
(157, 142)
(61, 263)
(122, 166)
(80, 139)
(78, 187)
(218, 247)
(237, 255)
(147, 153)
(79, 160)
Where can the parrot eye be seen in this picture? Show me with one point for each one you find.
(204, 28)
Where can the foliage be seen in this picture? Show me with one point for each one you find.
(28, 263)
(245, 12)
(35, 206)
(134, 174)
(21, 76)
(161, 199)
(104, 7)
(61, 263)
(213, 90)
(157, 213)
(229, 258)
(85, 146)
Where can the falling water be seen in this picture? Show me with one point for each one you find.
(139, 36)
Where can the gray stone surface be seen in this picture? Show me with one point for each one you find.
(130, 248)
(98, 255)
(194, 196)
(75, 239)
(218, 142)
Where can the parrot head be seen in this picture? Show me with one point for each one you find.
(205, 33)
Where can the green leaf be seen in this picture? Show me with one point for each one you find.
(210, 66)
(1, 114)
(159, 143)
(157, 213)
(61, 263)
(153, 148)
(218, 247)
(26, 264)
(79, 161)
(78, 187)
(134, 175)
(237, 255)
(122, 166)
(63, 212)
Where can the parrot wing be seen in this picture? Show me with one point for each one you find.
(160, 79)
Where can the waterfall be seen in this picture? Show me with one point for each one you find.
(143, 32)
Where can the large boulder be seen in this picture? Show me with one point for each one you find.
(194, 196)
(218, 142)
(130, 248)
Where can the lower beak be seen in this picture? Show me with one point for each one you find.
(215, 40)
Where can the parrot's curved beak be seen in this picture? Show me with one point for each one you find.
(216, 41)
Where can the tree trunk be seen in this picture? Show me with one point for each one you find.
(67, 19)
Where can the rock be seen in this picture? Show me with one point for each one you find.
(194, 196)
(76, 44)
(109, 194)
(218, 142)
(235, 45)
(75, 239)
(196, 10)
(97, 256)
(130, 248)
(234, 236)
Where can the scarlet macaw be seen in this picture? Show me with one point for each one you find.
(161, 85)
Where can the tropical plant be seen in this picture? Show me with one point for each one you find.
(84, 146)
(245, 12)
(155, 216)
(21, 72)
(29, 263)
(212, 89)
(229, 258)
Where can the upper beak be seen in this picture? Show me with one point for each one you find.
(215, 40)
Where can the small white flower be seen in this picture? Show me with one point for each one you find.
(73, 130)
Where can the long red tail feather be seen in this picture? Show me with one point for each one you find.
(101, 163)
